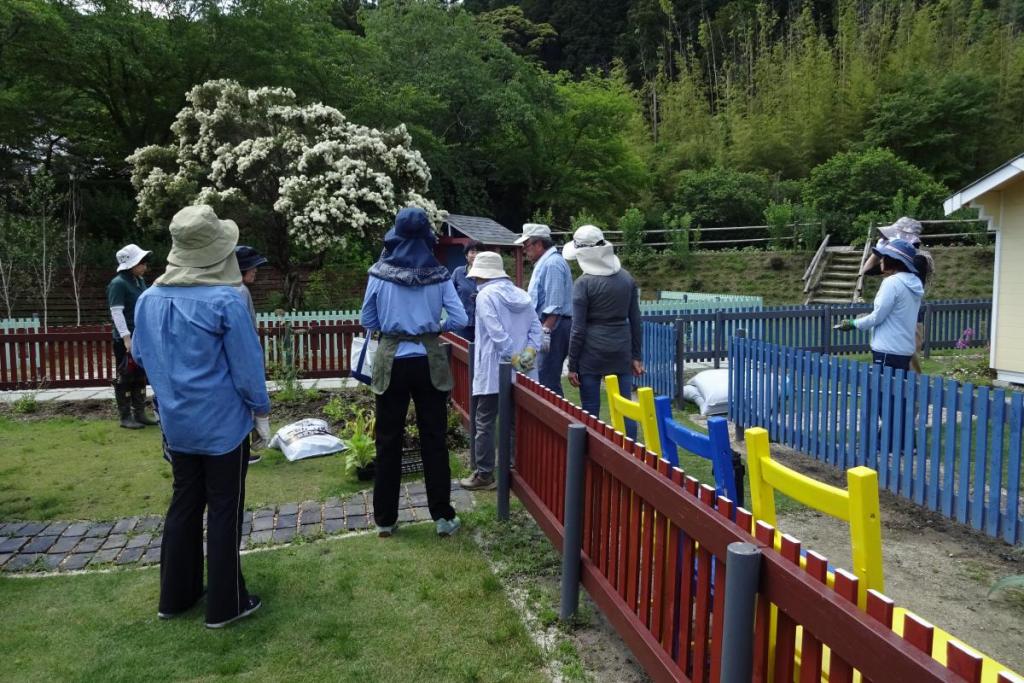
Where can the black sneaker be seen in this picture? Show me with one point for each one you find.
(254, 458)
(251, 605)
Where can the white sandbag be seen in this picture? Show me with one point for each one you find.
(307, 438)
(710, 391)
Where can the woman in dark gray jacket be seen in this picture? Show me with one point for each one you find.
(606, 337)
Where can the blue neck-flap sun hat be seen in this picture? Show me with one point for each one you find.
(408, 256)
(901, 250)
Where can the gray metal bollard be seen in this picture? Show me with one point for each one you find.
(576, 458)
(743, 573)
(505, 408)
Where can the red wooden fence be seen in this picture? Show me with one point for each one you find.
(654, 561)
(84, 356)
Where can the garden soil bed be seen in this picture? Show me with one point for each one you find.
(937, 568)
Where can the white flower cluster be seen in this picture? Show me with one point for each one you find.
(327, 178)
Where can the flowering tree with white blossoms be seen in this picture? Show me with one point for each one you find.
(302, 175)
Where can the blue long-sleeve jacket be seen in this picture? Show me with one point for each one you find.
(399, 309)
(203, 358)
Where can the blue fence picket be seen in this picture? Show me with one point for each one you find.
(995, 464)
(920, 484)
(905, 458)
(1011, 525)
(963, 488)
(952, 402)
(980, 454)
(935, 471)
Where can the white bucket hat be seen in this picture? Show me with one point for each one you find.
(531, 230)
(129, 256)
(595, 255)
(487, 266)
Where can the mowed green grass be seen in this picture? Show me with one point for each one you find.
(410, 608)
(68, 468)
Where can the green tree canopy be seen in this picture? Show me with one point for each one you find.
(854, 188)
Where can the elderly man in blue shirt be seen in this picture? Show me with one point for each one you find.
(550, 290)
(405, 294)
(194, 338)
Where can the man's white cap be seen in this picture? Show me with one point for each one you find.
(531, 230)
(487, 266)
(129, 256)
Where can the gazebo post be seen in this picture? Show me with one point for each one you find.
(519, 265)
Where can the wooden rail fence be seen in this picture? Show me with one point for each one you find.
(653, 559)
(85, 356)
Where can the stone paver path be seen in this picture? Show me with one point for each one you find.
(71, 546)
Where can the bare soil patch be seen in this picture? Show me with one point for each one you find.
(935, 567)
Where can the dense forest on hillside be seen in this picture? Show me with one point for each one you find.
(660, 112)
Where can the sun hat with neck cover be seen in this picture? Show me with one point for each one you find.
(408, 256)
(595, 255)
(899, 250)
(202, 250)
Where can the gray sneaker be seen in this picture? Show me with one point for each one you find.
(479, 482)
(447, 527)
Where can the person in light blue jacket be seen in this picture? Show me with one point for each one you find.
(507, 329)
(893, 319)
(195, 340)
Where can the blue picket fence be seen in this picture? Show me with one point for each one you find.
(955, 448)
(659, 355)
(706, 333)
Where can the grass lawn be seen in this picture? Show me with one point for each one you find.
(68, 468)
(411, 608)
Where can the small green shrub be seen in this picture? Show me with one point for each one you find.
(26, 404)
(779, 218)
(632, 225)
(336, 409)
(359, 436)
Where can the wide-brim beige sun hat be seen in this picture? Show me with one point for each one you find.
(129, 256)
(199, 238)
(487, 266)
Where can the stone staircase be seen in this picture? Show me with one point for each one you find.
(838, 281)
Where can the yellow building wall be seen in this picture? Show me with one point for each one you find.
(1007, 207)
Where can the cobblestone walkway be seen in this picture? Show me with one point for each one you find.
(71, 546)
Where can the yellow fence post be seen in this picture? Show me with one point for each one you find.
(641, 411)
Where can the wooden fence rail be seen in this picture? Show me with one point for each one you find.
(654, 561)
(85, 357)
(955, 448)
